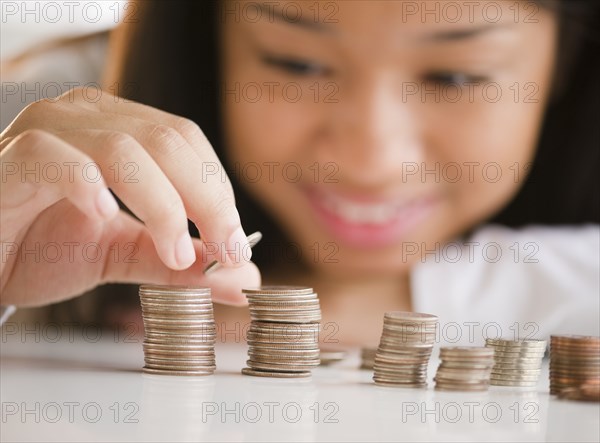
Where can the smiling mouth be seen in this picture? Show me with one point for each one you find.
(367, 213)
(368, 222)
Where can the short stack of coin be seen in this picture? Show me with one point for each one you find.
(179, 330)
(404, 349)
(516, 362)
(574, 362)
(367, 358)
(329, 356)
(283, 339)
(464, 369)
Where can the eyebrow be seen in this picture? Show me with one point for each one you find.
(442, 36)
(273, 13)
(461, 34)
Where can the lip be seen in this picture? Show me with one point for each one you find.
(393, 218)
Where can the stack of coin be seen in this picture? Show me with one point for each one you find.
(404, 349)
(367, 358)
(330, 356)
(179, 330)
(283, 339)
(464, 369)
(574, 362)
(584, 392)
(516, 362)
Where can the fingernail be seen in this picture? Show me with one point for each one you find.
(238, 248)
(184, 251)
(106, 204)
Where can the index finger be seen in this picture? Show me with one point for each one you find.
(178, 144)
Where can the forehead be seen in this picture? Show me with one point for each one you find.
(383, 29)
(380, 17)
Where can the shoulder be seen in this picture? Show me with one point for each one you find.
(50, 69)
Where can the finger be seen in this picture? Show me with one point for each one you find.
(188, 159)
(37, 169)
(148, 193)
(144, 265)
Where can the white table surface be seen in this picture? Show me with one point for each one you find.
(77, 390)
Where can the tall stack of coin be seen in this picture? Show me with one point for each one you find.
(283, 339)
(516, 362)
(367, 358)
(404, 349)
(179, 330)
(464, 369)
(574, 362)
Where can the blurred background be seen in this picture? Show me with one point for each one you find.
(45, 46)
(20, 30)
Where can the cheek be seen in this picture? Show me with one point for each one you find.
(491, 147)
(270, 133)
(265, 131)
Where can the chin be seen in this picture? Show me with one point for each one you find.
(353, 263)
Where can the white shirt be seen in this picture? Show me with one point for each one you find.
(545, 281)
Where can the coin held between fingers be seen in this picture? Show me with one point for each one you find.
(238, 246)
(252, 240)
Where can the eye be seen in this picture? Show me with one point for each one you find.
(454, 78)
(295, 66)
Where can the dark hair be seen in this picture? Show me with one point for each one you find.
(561, 189)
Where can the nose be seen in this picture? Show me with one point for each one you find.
(372, 133)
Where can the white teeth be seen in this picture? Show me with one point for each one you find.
(362, 213)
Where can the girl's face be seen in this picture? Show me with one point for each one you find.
(374, 131)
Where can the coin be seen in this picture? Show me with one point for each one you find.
(380, 381)
(367, 357)
(273, 291)
(179, 330)
(513, 383)
(585, 392)
(574, 362)
(253, 239)
(464, 368)
(516, 362)
(283, 339)
(207, 371)
(277, 374)
(526, 343)
(404, 349)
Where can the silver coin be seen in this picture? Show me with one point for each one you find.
(308, 359)
(452, 381)
(523, 384)
(201, 372)
(209, 365)
(537, 343)
(392, 384)
(277, 364)
(253, 239)
(276, 374)
(279, 290)
(289, 309)
(168, 289)
(295, 320)
(523, 378)
(471, 388)
(276, 338)
(275, 347)
(406, 316)
(288, 301)
(279, 367)
(262, 325)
